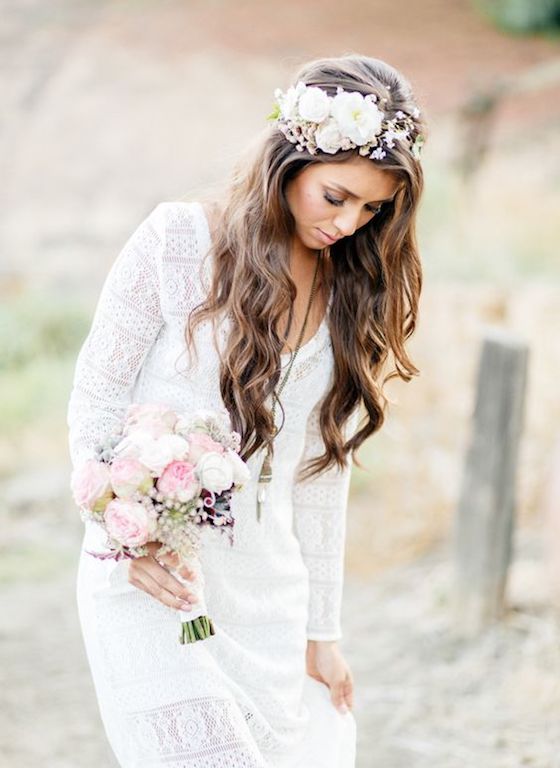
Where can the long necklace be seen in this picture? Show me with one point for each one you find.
(266, 470)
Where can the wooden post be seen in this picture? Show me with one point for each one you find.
(485, 516)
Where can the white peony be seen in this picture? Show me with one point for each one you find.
(328, 137)
(132, 445)
(288, 101)
(157, 454)
(358, 119)
(215, 472)
(314, 105)
(178, 445)
(241, 473)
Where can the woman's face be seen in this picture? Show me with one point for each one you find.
(332, 200)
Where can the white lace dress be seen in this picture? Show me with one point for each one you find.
(241, 698)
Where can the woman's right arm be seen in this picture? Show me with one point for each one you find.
(126, 322)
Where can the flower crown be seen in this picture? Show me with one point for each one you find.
(311, 119)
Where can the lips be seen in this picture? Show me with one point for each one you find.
(327, 238)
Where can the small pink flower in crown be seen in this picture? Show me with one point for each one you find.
(314, 121)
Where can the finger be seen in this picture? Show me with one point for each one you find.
(338, 697)
(349, 691)
(166, 580)
(186, 572)
(169, 582)
(172, 560)
(143, 580)
(182, 568)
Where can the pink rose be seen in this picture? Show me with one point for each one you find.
(128, 522)
(91, 485)
(128, 476)
(179, 481)
(201, 443)
(155, 418)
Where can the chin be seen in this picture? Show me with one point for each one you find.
(314, 241)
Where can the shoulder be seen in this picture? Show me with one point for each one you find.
(177, 216)
(179, 224)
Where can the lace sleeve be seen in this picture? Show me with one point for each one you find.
(320, 526)
(126, 322)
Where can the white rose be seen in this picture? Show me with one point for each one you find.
(215, 472)
(131, 446)
(314, 105)
(178, 446)
(328, 137)
(241, 472)
(357, 118)
(157, 454)
(288, 100)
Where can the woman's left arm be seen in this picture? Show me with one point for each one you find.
(320, 505)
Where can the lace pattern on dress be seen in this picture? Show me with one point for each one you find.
(177, 707)
(320, 526)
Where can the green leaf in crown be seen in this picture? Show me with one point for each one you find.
(275, 114)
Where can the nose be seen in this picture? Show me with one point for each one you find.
(346, 222)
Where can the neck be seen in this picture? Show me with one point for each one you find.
(302, 258)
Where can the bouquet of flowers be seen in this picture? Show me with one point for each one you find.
(162, 478)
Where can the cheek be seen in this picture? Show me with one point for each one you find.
(312, 204)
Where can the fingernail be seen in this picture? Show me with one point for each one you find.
(186, 607)
(344, 709)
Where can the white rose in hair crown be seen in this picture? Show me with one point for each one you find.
(314, 121)
(163, 478)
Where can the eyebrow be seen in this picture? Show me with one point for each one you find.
(351, 194)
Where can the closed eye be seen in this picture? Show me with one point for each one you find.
(337, 202)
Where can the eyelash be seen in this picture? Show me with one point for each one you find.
(334, 201)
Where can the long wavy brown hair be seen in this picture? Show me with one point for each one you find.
(376, 275)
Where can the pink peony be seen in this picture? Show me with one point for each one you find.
(155, 418)
(179, 481)
(91, 485)
(128, 522)
(128, 476)
(201, 443)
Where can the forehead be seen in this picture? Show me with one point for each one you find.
(359, 175)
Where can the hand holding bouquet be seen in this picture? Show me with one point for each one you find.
(161, 479)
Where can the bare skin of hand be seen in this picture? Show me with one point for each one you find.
(325, 663)
(147, 574)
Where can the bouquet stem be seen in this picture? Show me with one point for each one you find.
(197, 629)
(195, 624)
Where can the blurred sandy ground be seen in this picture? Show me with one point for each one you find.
(110, 107)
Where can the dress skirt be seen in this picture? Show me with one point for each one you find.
(194, 706)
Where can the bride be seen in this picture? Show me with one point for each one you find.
(287, 302)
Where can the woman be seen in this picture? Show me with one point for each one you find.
(281, 303)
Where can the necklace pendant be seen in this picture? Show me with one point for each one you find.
(266, 470)
(261, 496)
(264, 478)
